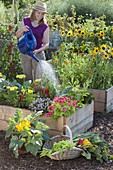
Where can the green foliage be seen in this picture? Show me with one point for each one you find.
(46, 87)
(10, 64)
(86, 8)
(29, 132)
(2, 12)
(62, 106)
(93, 146)
(82, 95)
(57, 147)
(18, 93)
(85, 55)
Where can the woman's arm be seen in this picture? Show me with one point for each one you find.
(23, 28)
(45, 42)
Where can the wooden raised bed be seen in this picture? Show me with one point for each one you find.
(103, 100)
(79, 122)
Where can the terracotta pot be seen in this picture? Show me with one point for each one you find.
(22, 150)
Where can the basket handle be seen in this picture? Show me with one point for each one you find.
(70, 133)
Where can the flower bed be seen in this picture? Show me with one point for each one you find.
(103, 100)
(78, 122)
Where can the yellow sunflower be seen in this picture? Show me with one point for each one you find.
(105, 56)
(70, 33)
(111, 51)
(62, 33)
(95, 51)
(91, 34)
(101, 33)
(103, 47)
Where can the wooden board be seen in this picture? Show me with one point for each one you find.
(79, 122)
(103, 100)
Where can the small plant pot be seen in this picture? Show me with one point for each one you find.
(22, 150)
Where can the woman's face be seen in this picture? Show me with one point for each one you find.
(39, 15)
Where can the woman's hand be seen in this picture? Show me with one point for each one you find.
(35, 52)
(25, 28)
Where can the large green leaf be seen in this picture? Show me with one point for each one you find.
(86, 154)
(33, 149)
(9, 131)
(18, 115)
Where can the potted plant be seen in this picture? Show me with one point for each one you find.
(26, 132)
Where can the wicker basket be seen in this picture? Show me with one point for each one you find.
(66, 154)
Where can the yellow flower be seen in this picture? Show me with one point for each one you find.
(111, 29)
(19, 127)
(103, 47)
(105, 56)
(37, 80)
(62, 33)
(95, 51)
(79, 32)
(13, 88)
(101, 33)
(26, 124)
(70, 33)
(22, 125)
(8, 87)
(1, 75)
(23, 90)
(82, 33)
(30, 91)
(111, 51)
(75, 32)
(21, 76)
(91, 34)
(98, 35)
(86, 30)
(86, 142)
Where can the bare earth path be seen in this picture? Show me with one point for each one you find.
(103, 123)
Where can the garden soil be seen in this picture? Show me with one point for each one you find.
(102, 123)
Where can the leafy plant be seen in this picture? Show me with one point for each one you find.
(57, 147)
(45, 87)
(90, 143)
(18, 92)
(28, 132)
(93, 146)
(62, 106)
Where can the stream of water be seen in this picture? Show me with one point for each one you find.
(45, 70)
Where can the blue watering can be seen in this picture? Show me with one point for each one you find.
(27, 43)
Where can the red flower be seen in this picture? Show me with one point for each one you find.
(49, 114)
(47, 92)
(10, 28)
(35, 88)
(80, 141)
(64, 109)
(90, 72)
(75, 103)
(51, 108)
(10, 47)
(22, 96)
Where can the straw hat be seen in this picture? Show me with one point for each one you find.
(41, 6)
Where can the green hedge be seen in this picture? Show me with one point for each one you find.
(97, 8)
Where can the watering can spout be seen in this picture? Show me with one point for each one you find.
(33, 56)
(27, 43)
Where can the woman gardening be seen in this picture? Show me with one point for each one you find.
(37, 23)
